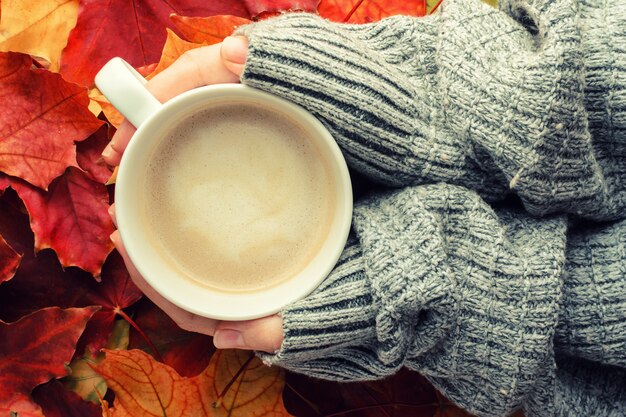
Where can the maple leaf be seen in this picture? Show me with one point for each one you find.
(34, 350)
(71, 218)
(9, 260)
(146, 387)
(359, 11)
(212, 29)
(89, 155)
(174, 344)
(56, 401)
(41, 116)
(41, 282)
(25, 23)
(133, 30)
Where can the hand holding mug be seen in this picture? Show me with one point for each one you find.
(288, 176)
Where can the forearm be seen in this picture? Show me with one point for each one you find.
(442, 283)
(468, 96)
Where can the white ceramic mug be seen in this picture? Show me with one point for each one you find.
(125, 89)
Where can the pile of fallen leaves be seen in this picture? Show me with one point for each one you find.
(76, 336)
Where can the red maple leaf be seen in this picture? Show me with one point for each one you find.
(9, 260)
(41, 282)
(71, 218)
(34, 350)
(131, 29)
(41, 116)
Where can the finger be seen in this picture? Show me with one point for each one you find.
(265, 334)
(111, 212)
(112, 154)
(234, 50)
(195, 68)
(184, 319)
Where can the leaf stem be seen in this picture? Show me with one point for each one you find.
(303, 398)
(351, 12)
(371, 407)
(220, 398)
(130, 321)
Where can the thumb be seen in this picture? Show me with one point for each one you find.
(265, 334)
(233, 52)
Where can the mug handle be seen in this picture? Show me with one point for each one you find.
(126, 89)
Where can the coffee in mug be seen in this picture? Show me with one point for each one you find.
(238, 197)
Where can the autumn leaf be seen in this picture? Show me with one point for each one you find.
(41, 116)
(116, 292)
(146, 387)
(174, 344)
(83, 380)
(174, 47)
(34, 350)
(9, 260)
(359, 11)
(89, 155)
(71, 218)
(41, 282)
(405, 394)
(212, 29)
(56, 401)
(133, 30)
(24, 24)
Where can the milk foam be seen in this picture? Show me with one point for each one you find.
(239, 197)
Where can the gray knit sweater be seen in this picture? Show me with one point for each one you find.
(492, 255)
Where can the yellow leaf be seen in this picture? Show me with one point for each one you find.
(37, 27)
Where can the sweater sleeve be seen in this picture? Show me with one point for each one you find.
(440, 282)
(531, 101)
(478, 299)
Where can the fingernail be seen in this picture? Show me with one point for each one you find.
(108, 152)
(228, 339)
(235, 49)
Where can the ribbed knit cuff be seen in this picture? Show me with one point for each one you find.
(338, 316)
(592, 322)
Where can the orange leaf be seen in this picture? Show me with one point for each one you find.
(174, 47)
(365, 11)
(36, 27)
(211, 29)
(145, 387)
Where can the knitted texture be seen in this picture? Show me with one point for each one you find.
(593, 319)
(588, 389)
(445, 285)
(468, 96)
(528, 100)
